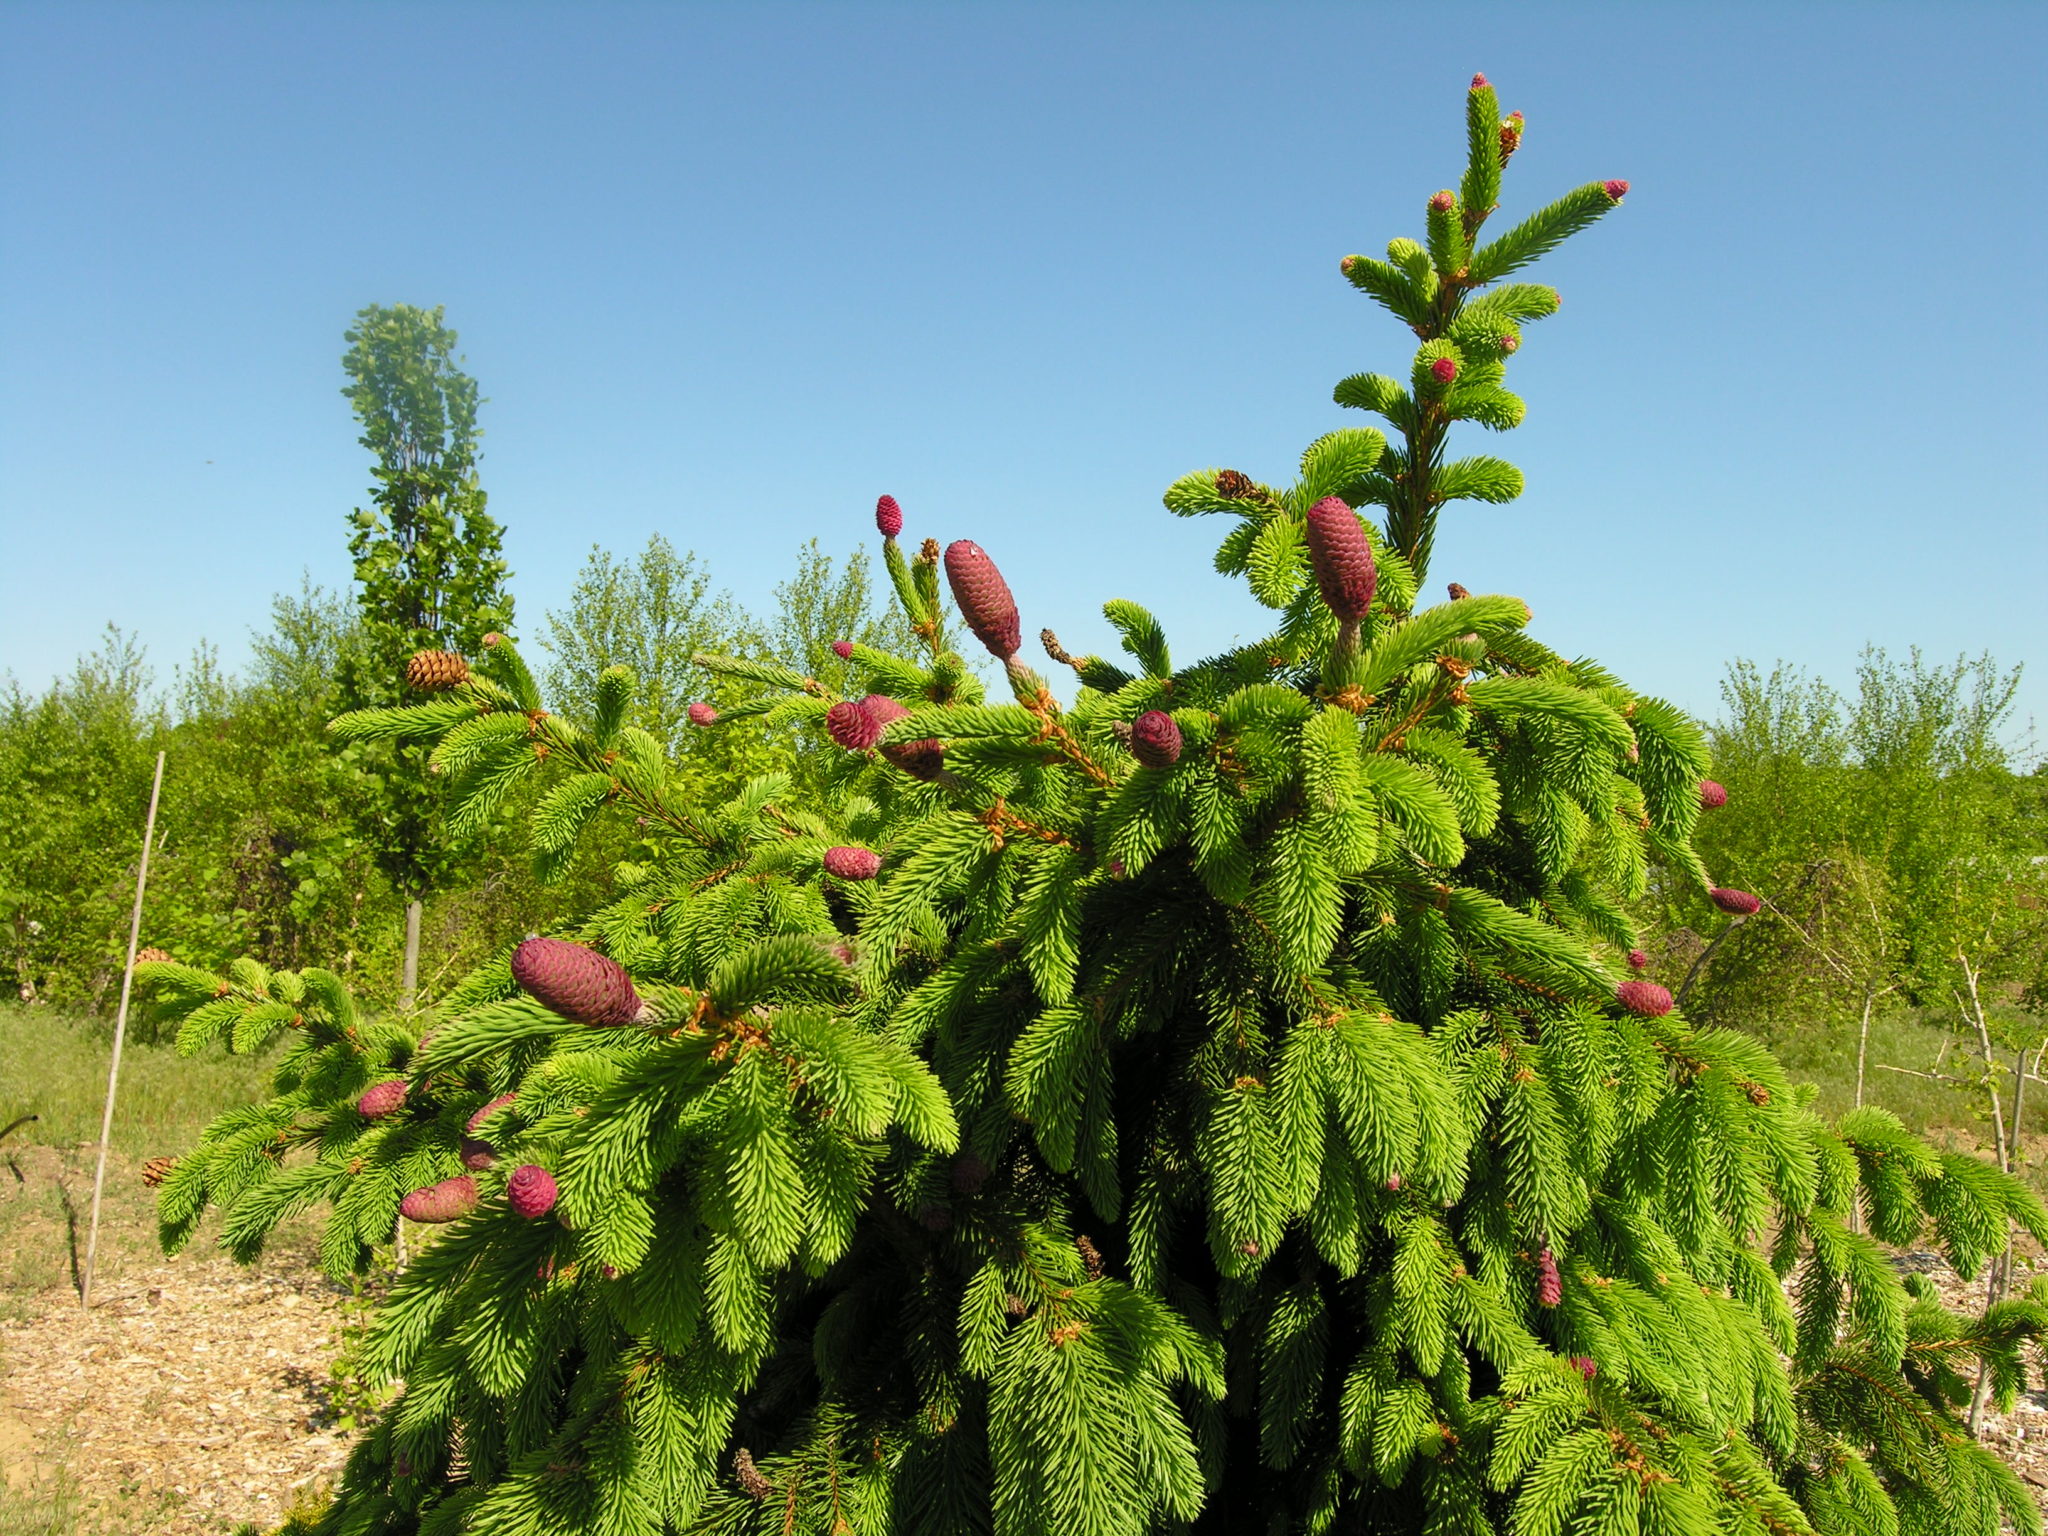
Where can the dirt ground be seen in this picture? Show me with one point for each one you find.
(197, 1394)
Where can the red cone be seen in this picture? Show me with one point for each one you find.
(1643, 997)
(1741, 903)
(1342, 558)
(888, 517)
(1712, 795)
(702, 714)
(1155, 739)
(382, 1098)
(1549, 1283)
(853, 863)
(446, 1201)
(577, 983)
(531, 1191)
(1637, 960)
(984, 598)
(851, 726)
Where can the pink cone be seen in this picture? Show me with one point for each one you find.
(531, 1191)
(1443, 202)
(446, 1201)
(1155, 739)
(1444, 369)
(888, 517)
(477, 1155)
(984, 598)
(1510, 343)
(843, 649)
(702, 714)
(1549, 1283)
(1616, 190)
(853, 863)
(883, 708)
(576, 982)
(851, 726)
(1741, 903)
(1480, 82)
(1637, 960)
(381, 1098)
(1584, 1365)
(1712, 795)
(1341, 557)
(1645, 998)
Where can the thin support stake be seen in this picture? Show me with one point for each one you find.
(99, 1178)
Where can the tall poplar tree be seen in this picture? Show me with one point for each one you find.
(1222, 1106)
(429, 572)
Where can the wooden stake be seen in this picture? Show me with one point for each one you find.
(99, 1178)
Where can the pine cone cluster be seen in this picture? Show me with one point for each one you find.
(152, 956)
(449, 1200)
(433, 671)
(984, 598)
(1341, 557)
(576, 982)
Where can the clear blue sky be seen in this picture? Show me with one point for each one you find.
(727, 272)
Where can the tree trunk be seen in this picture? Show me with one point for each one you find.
(409, 985)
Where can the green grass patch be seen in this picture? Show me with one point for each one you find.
(56, 1069)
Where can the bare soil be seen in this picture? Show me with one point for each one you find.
(196, 1394)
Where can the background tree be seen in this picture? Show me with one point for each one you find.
(428, 569)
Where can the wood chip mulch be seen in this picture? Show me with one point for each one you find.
(191, 1398)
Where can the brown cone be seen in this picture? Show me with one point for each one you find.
(156, 1170)
(433, 671)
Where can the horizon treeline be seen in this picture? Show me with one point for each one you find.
(1880, 824)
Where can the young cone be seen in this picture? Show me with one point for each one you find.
(449, 1200)
(984, 598)
(1341, 557)
(530, 1191)
(578, 983)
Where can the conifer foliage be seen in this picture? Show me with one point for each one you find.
(1221, 1105)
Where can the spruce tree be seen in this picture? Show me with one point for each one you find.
(1221, 1105)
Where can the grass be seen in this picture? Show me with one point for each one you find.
(56, 1069)
(50, 1509)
